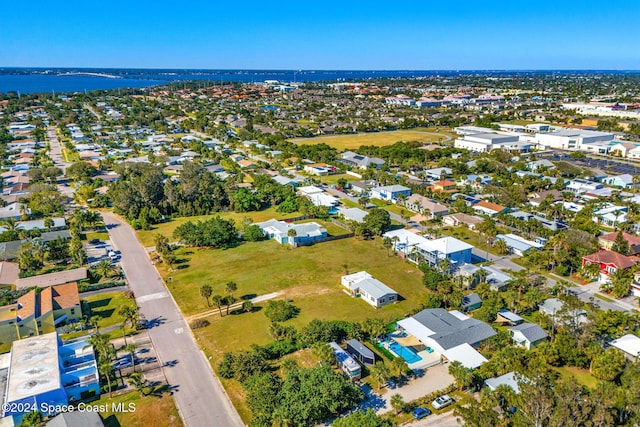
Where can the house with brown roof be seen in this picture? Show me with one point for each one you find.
(425, 206)
(37, 313)
(538, 197)
(606, 241)
(460, 218)
(609, 262)
(488, 208)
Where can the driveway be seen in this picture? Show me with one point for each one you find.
(199, 396)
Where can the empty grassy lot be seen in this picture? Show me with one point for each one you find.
(347, 142)
(146, 236)
(308, 275)
(152, 410)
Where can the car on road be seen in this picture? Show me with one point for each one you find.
(420, 413)
(122, 363)
(442, 402)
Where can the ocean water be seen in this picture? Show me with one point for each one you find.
(30, 81)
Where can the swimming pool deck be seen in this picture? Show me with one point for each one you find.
(428, 359)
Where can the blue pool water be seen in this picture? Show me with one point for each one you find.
(405, 352)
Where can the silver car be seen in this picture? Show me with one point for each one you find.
(442, 402)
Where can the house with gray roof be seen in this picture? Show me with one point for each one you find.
(508, 379)
(294, 234)
(390, 192)
(371, 290)
(471, 302)
(353, 214)
(452, 334)
(528, 335)
(359, 160)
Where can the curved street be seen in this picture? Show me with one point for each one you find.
(199, 396)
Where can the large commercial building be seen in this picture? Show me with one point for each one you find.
(45, 372)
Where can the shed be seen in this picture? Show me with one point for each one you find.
(361, 352)
(471, 302)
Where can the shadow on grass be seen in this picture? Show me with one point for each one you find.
(248, 296)
(99, 303)
(182, 266)
(238, 311)
(111, 421)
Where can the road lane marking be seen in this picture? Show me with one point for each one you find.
(152, 297)
(178, 331)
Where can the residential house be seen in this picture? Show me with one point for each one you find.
(579, 186)
(528, 335)
(607, 241)
(353, 214)
(518, 245)
(9, 273)
(508, 379)
(508, 317)
(52, 279)
(550, 196)
(535, 165)
(438, 173)
(294, 234)
(457, 219)
(609, 262)
(484, 207)
(318, 196)
(629, 345)
(477, 181)
(66, 372)
(418, 249)
(371, 290)
(425, 206)
(318, 169)
(390, 192)
(451, 334)
(444, 186)
(362, 187)
(13, 210)
(552, 307)
(37, 313)
(622, 181)
(360, 161)
(76, 419)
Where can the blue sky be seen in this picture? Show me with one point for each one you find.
(418, 35)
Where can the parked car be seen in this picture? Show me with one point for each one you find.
(94, 241)
(420, 413)
(122, 363)
(442, 402)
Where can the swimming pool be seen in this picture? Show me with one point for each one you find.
(406, 353)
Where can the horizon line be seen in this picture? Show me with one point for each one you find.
(326, 69)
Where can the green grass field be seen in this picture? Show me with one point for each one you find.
(146, 236)
(148, 410)
(310, 275)
(346, 142)
(106, 306)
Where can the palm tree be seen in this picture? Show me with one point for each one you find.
(218, 301)
(230, 288)
(137, 382)
(380, 372)
(105, 268)
(129, 314)
(131, 349)
(106, 369)
(206, 291)
(397, 403)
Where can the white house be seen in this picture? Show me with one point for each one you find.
(371, 290)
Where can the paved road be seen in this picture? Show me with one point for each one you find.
(446, 419)
(199, 396)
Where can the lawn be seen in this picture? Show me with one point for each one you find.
(333, 179)
(100, 235)
(347, 142)
(106, 306)
(153, 410)
(310, 273)
(146, 236)
(582, 376)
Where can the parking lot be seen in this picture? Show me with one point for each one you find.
(146, 359)
(98, 250)
(607, 165)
